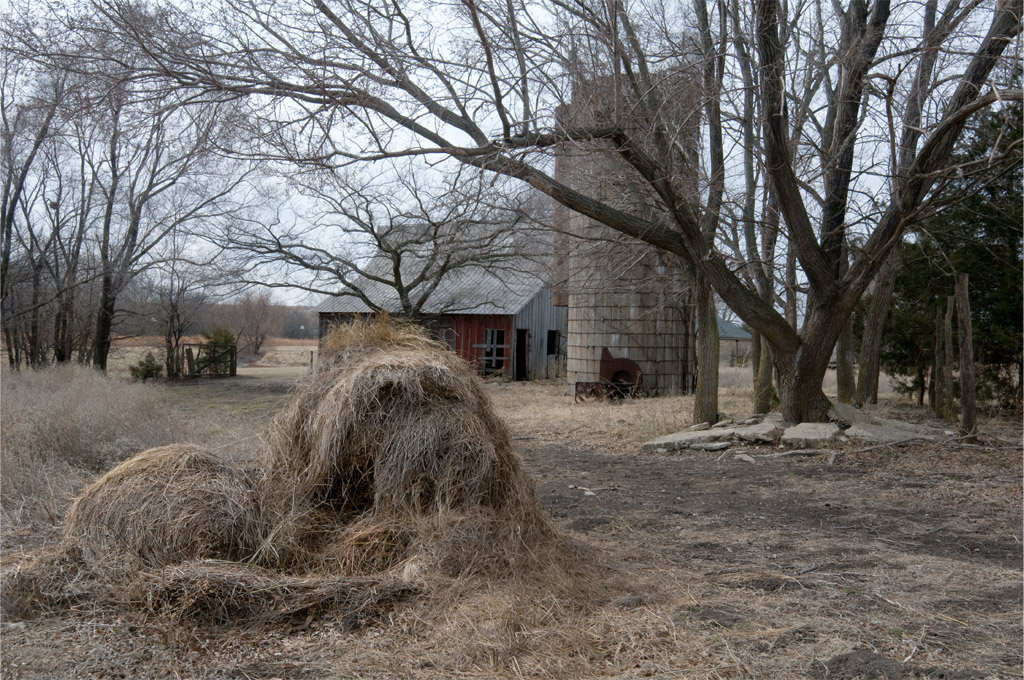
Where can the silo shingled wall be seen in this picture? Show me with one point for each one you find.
(622, 293)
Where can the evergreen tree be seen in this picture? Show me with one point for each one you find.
(978, 232)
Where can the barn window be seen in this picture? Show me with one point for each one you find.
(493, 350)
(554, 343)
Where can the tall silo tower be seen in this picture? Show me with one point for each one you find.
(623, 294)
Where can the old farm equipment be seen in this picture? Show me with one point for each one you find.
(620, 377)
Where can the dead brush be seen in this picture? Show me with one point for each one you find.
(56, 581)
(391, 436)
(213, 593)
(164, 506)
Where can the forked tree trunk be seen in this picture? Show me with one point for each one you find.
(874, 325)
(947, 362)
(968, 415)
(800, 397)
(801, 367)
(705, 404)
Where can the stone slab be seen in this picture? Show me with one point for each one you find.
(683, 440)
(883, 433)
(764, 432)
(807, 435)
(711, 446)
(867, 427)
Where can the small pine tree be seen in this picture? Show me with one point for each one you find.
(147, 368)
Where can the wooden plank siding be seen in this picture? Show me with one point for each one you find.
(538, 317)
(469, 335)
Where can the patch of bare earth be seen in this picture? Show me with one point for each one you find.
(894, 562)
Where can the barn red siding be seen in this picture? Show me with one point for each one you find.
(469, 331)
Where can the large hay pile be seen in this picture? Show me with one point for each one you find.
(390, 450)
(389, 466)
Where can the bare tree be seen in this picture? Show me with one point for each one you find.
(385, 239)
(254, 317)
(131, 163)
(369, 82)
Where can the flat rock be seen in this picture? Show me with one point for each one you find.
(684, 440)
(764, 432)
(807, 435)
(722, 424)
(711, 446)
(867, 427)
(699, 427)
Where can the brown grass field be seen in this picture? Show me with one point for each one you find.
(893, 562)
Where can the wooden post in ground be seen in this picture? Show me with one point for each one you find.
(937, 397)
(968, 413)
(947, 362)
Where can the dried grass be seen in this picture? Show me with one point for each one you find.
(56, 581)
(214, 593)
(164, 506)
(59, 425)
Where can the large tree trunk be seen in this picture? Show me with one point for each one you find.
(871, 341)
(104, 323)
(799, 385)
(801, 370)
(705, 405)
(968, 415)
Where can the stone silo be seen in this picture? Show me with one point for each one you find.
(623, 294)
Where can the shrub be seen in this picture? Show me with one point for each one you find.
(219, 335)
(147, 368)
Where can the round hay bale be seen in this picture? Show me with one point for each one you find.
(164, 506)
(390, 428)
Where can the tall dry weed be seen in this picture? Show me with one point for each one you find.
(61, 425)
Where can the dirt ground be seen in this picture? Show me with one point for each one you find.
(893, 562)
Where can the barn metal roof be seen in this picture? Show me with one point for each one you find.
(730, 331)
(469, 290)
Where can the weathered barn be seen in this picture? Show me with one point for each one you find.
(501, 323)
(734, 344)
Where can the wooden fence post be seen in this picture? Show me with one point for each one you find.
(936, 394)
(947, 364)
(968, 412)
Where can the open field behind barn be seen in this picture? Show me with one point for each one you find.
(892, 562)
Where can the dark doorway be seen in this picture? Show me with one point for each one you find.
(521, 359)
(554, 343)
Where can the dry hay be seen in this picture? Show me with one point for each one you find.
(388, 474)
(164, 506)
(390, 451)
(223, 593)
(56, 581)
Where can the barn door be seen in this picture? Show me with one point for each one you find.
(521, 358)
